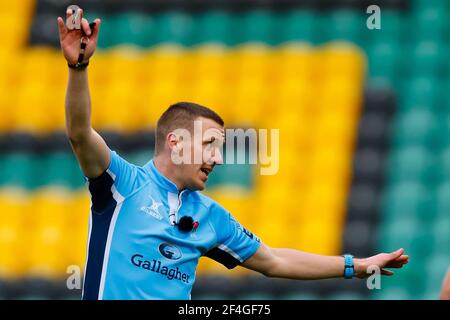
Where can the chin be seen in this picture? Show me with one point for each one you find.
(198, 186)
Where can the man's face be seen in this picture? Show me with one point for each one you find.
(206, 151)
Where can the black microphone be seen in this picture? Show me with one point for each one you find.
(187, 224)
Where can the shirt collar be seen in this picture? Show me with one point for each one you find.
(161, 179)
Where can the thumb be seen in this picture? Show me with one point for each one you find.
(398, 253)
(96, 29)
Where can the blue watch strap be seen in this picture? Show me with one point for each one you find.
(349, 269)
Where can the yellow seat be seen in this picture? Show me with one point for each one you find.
(50, 208)
(31, 111)
(205, 61)
(13, 207)
(253, 61)
(297, 63)
(343, 59)
(249, 102)
(46, 252)
(120, 108)
(165, 64)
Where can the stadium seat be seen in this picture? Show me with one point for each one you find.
(18, 170)
(406, 199)
(391, 28)
(346, 25)
(417, 127)
(61, 170)
(213, 27)
(295, 25)
(394, 293)
(412, 164)
(253, 26)
(431, 24)
(437, 268)
(441, 233)
(383, 60)
(171, 28)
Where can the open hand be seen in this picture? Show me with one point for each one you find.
(394, 260)
(71, 39)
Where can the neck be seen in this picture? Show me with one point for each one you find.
(167, 169)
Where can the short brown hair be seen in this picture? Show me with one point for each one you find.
(181, 115)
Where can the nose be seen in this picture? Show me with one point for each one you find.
(217, 157)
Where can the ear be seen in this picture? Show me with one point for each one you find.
(174, 142)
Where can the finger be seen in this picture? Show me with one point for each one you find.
(386, 272)
(396, 265)
(403, 258)
(397, 254)
(68, 13)
(61, 27)
(96, 28)
(85, 27)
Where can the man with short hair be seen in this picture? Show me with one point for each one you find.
(150, 225)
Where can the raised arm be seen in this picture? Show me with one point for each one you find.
(89, 147)
(295, 264)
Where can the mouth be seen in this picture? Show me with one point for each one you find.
(206, 171)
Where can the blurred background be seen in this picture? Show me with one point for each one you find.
(364, 119)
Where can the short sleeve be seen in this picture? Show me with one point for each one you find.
(123, 173)
(120, 177)
(235, 244)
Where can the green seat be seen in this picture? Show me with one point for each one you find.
(126, 29)
(408, 200)
(253, 26)
(408, 233)
(436, 268)
(232, 175)
(417, 127)
(391, 28)
(295, 25)
(383, 59)
(428, 58)
(430, 24)
(108, 34)
(139, 158)
(172, 28)
(391, 293)
(19, 170)
(443, 198)
(342, 24)
(413, 163)
(441, 233)
(212, 27)
(418, 6)
(61, 169)
(420, 92)
(134, 29)
(444, 164)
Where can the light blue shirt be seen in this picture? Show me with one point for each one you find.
(135, 252)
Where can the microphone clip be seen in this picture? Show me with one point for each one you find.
(187, 224)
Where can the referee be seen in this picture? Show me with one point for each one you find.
(150, 225)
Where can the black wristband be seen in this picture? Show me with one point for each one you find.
(78, 66)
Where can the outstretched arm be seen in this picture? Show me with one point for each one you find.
(295, 264)
(89, 147)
